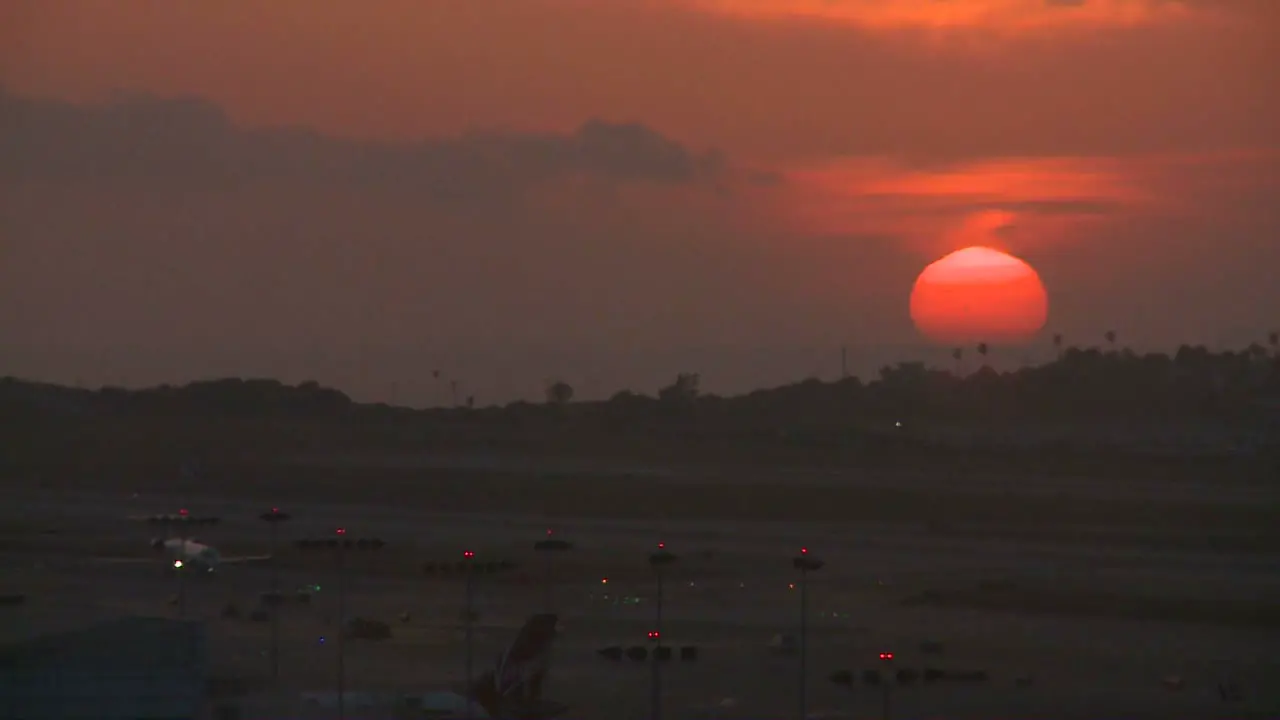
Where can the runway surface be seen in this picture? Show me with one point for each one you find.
(732, 593)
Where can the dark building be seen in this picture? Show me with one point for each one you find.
(127, 669)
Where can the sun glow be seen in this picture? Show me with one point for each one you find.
(979, 294)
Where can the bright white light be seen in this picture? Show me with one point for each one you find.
(177, 563)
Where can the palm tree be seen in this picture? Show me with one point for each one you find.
(982, 350)
(1110, 335)
(957, 355)
(1057, 344)
(559, 393)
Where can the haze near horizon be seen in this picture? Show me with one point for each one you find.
(611, 193)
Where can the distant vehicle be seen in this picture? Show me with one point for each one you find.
(191, 554)
(512, 690)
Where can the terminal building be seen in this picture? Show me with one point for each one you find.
(136, 668)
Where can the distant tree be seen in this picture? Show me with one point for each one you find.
(1110, 335)
(983, 350)
(1057, 345)
(559, 393)
(471, 402)
(1256, 353)
(957, 355)
(1274, 341)
(684, 389)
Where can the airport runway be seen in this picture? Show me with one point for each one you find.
(901, 555)
(1083, 666)
(990, 482)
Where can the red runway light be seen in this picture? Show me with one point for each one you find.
(342, 531)
(804, 551)
(468, 554)
(183, 511)
(886, 656)
(662, 546)
(653, 634)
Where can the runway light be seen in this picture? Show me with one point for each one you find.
(183, 511)
(886, 656)
(321, 639)
(791, 586)
(804, 551)
(177, 564)
(342, 531)
(662, 546)
(604, 581)
(653, 634)
(548, 532)
(468, 554)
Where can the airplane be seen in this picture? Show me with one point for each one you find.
(512, 690)
(191, 554)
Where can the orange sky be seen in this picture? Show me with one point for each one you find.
(1127, 148)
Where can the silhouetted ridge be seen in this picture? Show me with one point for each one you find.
(1194, 401)
(228, 396)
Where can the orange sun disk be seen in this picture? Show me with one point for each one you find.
(979, 294)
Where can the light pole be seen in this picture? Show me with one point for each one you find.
(181, 563)
(886, 658)
(273, 518)
(342, 628)
(549, 547)
(338, 545)
(468, 567)
(658, 561)
(805, 564)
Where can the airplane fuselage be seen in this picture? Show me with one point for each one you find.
(190, 554)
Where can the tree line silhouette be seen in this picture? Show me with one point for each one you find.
(1083, 387)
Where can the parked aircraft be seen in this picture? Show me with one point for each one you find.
(512, 690)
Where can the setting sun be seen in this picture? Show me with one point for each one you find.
(979, 294)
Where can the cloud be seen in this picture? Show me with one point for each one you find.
(187, 143)
(771, 89)
(988, 15)
(197, 246)
(927, 207)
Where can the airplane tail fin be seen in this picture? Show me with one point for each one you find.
(521, 669)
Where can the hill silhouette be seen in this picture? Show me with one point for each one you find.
(1194, 402)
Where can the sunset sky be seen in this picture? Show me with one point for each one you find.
(614, 191)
